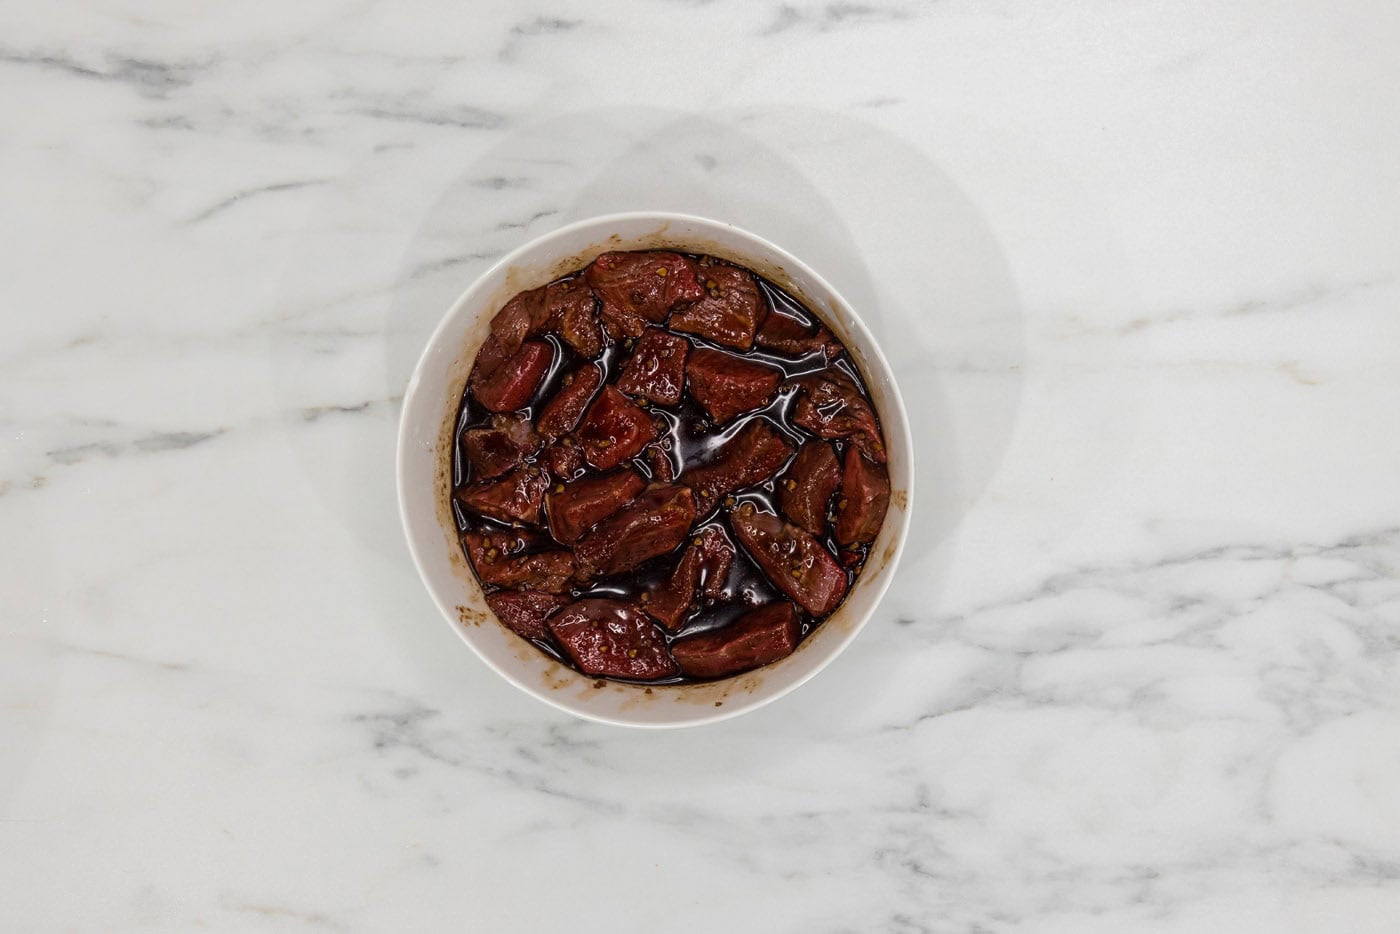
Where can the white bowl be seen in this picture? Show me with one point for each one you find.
(426, 437)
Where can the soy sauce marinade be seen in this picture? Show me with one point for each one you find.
(613, 524)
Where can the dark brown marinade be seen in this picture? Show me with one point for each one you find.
(688, 438)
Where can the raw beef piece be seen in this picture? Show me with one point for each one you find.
(865, 495)
(806, 487)
(563, 459)
(561, 413)
(549, 571)
(796, 563)
(614, 430)
(573, 315)
(509, 384)
(759, 637)
(574, 508)
(787, 335)
(703, 569)
(652, 524)
(524, 611)
(750, 457)
(729, 311)
(502, 446)
(656, 371)
(830, 406)
(637, 288)
(516, 497)
(612, 639)
(726, 385)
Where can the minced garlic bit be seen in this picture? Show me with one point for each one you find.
(661, 270)
(559, 488)
(790, 484)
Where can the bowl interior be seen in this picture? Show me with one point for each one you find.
(425, 472)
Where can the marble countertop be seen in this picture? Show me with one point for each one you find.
(1135, 266)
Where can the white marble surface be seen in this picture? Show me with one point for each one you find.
(1136, 265)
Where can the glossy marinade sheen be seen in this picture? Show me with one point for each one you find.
(537, 371)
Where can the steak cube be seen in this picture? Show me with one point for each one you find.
(524, 611)
(520, 318)
(653, 524)
(561, 413)
(614, 430)
(516, 497)
(509, 384)
(499, 447)
(806, 487)
(612, 639)
(703, 568)
(796, 563)
(831, 406)
(726, 385)
(656, 370)
(865, 495)
(636, 288)
(663, 469)
(728, 312)
(567, 308)
(488, 359)
(549, 571)
(573, 315)
(576, 507)
(757, 638)
(482, 546)
(563, 459)
(787, 335)
(750, 457)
